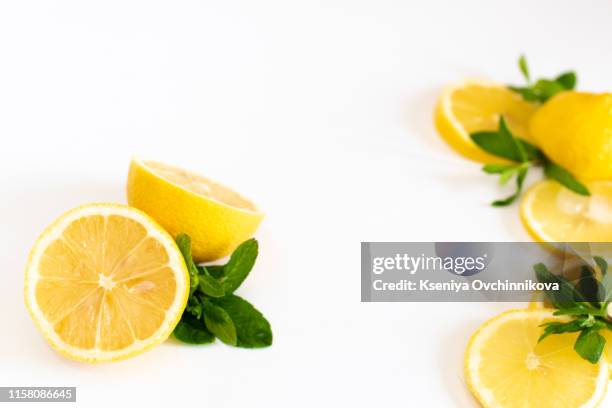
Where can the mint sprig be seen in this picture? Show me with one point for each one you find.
(543, 89)
(504, 144)
(213, 311)
(585, 302)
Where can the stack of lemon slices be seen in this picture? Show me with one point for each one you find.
(505, 365)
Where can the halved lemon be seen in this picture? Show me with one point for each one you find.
(552, 213)
(216, 218)
(505, 366)
(105, 282)
(477, 105)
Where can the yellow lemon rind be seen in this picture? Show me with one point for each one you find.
(138, 347)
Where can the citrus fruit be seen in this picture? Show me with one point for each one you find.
(105, 282)
(217, 218)
(574, 129)
(552, 213)
(505, 366)
(477, 105)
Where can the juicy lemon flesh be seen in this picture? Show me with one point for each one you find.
(478, 106)
(506, 366)
(553, 213)
(200, 185)
(574, 129)
(104, 284)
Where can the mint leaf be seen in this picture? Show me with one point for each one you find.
(590, 344)
(546, 89)
(497, 168)
(210, 286)
(183, 241)
(522, 63)
(602, 264)
(216, 271)
(543, 89)
(522, 173)
(240, 264)
(252, 328)
(219, 323)
(507, 175)
(588, 285)
(555, 172)
(559, 327)
(566, 297)
(567, 80)
(192, 331)
(496, 144)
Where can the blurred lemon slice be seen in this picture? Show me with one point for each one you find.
(552, 213)
(477, 105)
(505, 366)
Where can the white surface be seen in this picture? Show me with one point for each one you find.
(319, 111)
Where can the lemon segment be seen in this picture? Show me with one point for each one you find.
(505, 366)
(105, 282)
(552, 213)
(574, 129)
(477, 105)
(216, 218)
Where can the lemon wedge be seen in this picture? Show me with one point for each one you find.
(216, 218)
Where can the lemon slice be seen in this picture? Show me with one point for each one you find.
(217, 218)
(552, 213)
(476, 105)
(105, 282)
(505, 366)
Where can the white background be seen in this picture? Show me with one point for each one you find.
(318, 110)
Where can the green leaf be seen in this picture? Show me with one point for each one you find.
(240, 264)
(210, 286)
(507, 175)
(578, 310)
(219, 323)
(558, 173)
(193, 331)
(216, 271)
(526, 93)
(566, 297)
(183, 241)
(567, 80)
(590, 344)
(602, 264)
(522, 63)
(533, 153)
(522, 173)
(497, 168)
(588, 284)
(496, 144)
(606, 288)
(252, 328)
(546, 89)
(558, 327)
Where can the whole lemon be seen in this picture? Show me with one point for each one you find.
(574, 129)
